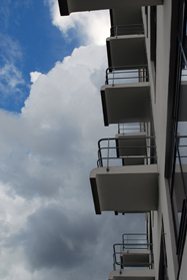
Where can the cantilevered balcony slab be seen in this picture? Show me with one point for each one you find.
(126, 51)
(132, 15)
(125, 189)
(136, 274)
(135, 258)
(125, 103)
(126, 21)
(69, 6)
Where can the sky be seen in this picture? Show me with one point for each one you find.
(51, 71)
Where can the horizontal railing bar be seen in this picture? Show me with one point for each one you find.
(126, 29)
(133, 24)
(128, 67)
(139, 244)
(110, 150)
(118, 71)
(126, 147)
(127, 234)
(181, 136)
(126, 137)
(125, 78)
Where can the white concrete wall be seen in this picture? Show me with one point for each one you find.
(183, 270)
(159, 96)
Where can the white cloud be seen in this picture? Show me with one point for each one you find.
(10, 76)
(46, 147)
(48, 226)
(92, 27)
(34, 76)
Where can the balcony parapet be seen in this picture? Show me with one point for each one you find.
(129, 149)
(126, 50)
(124, 128)
(131, 258)
(127, 74)
(134, 251)
(135, 241)
(131, 16)
(136, 274)
(126, 103)
(128, 29)
(125, 189)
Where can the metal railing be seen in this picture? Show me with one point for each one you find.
(180, 165)
(181, 155)
(184, 74)
(182, 232)
(128, 29)
(178, 142)
(135, 241)
(124, 128)
(127, 74)
(130, 243)
(125, 151)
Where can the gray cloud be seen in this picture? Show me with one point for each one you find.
(53, 240)
(48, 224)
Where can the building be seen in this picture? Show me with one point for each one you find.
(143, 168)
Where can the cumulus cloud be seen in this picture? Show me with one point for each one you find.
(51, 146)
(48, 225)
(55, 239)
(91, 27)
(49, 229)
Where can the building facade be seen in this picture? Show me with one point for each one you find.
(143, 168)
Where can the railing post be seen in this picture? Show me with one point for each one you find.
(107, 169)
(106, 82)
(113, 77)
(116, 31)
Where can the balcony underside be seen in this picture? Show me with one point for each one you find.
(126, 189)
(183, 101)
(126, 103)
(70, 6)
(126, 51)
(135, 258)
(132, 15)
(136, 274)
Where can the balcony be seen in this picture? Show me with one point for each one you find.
(126, 21)
(126, 95)
(126, 50)
(126, 177)
(70, 6)
(135, 251)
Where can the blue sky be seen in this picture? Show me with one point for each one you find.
(39, 44)
(51, 71)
